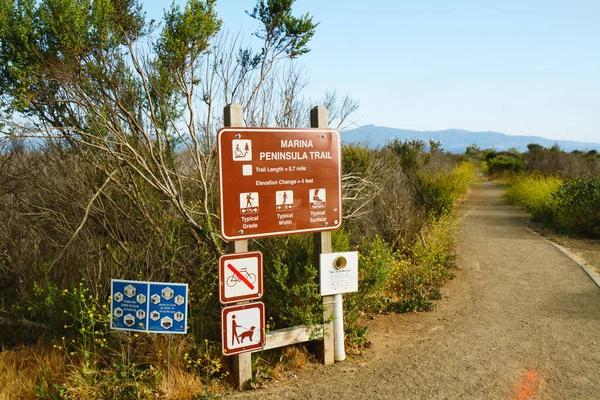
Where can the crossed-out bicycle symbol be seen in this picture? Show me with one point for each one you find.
(233, 280)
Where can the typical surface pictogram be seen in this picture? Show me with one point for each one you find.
(243, 328)
(316, 198)
(240, 277)
(289, 181)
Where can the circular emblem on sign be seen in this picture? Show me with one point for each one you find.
(340, 262)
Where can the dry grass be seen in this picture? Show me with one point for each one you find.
(29, 368)
(181, 384)
(31, 371)
(295, 357)
(281, 363)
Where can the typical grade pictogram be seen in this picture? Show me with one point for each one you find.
(249, 203)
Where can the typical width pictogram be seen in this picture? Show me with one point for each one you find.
(240, 277)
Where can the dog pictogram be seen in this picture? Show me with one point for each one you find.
(237, 336)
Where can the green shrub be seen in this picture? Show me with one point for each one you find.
(441, 190)
(571, 206)
(290, 281)
(376, 261)
(577, 207)
(504, 163)
(419, 274)
(535, 194)
(357, 159)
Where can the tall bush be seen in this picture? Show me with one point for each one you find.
(535, 193)
(504, 163)
(577, 207)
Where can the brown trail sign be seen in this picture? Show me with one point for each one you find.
(274, 182)
(278, 181)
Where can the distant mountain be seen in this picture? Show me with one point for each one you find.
(456, 140)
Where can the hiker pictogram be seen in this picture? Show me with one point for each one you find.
(242, 150)
(284, 200)
(249, 203)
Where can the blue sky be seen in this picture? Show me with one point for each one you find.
(517, 67)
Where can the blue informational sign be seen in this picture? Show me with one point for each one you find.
(129, 305)
(167, 308)
(149, 306)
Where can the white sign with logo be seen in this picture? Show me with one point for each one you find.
(339, 273)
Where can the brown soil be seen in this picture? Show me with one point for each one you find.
(519, 321)
(586, 250)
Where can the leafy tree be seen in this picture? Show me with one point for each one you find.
(88, 76)
(472, 149)
(127, 111)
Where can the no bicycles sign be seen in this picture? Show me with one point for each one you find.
(240, 277)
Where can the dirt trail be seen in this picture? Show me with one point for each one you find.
(520, 321)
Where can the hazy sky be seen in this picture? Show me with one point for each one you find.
(518, 67)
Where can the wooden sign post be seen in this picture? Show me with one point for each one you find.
(322, 244)
(278, 182)
(242, 363)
